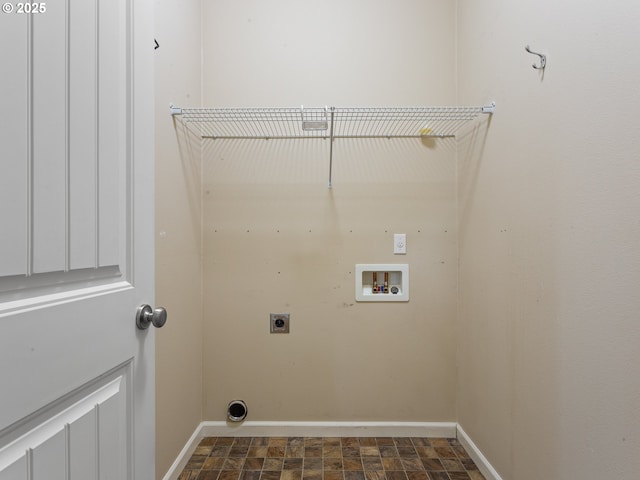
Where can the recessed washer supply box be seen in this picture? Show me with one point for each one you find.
(382, 282)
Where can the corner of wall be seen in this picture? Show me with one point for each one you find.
(178, 232)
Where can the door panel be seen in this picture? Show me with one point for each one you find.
(15, 471)
(112, 140)
(76, 170)
(48, 458)
(67, 161)
(66, 435)
(83, 136)
(13, 181)
(47, 77)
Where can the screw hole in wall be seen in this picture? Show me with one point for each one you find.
(237, 411)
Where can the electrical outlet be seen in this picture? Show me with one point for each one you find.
(279, 322)
(399, 243)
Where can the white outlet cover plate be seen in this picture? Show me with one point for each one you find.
(399, 243)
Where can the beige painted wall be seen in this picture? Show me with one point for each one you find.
(177, 232)
(276, 239)
(546, 229)
(548, 328)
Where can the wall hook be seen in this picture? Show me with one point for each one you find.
(543, 59)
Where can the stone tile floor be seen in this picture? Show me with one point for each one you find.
(330, 458)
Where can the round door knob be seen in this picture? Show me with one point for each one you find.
(146, 316)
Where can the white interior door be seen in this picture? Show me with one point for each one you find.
(76, 240)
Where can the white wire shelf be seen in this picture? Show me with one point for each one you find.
(327, 122)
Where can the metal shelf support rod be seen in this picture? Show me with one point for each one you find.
(331, 146)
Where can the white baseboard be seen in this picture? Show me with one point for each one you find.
(476, 455)
(331, 429)
(183, 457)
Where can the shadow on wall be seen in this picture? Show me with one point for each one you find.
(189, 147)
(368, 161)
(471, 146)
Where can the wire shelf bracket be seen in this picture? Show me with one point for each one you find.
(327, 122)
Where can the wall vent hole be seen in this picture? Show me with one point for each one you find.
(237, 411)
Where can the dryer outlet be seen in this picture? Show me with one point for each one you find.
(279, 322)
